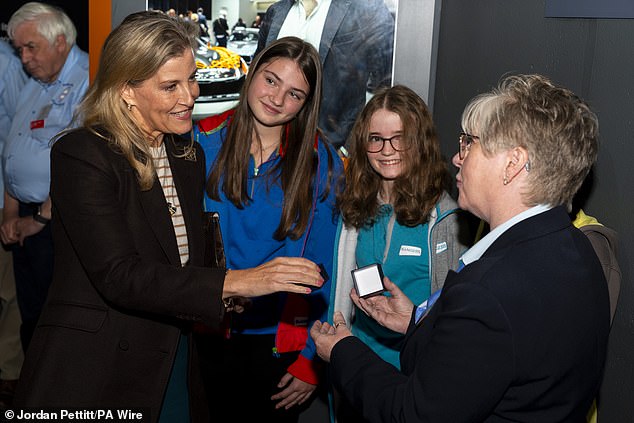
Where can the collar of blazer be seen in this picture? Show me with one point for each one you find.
(536, 226)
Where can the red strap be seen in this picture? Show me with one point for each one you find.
(213, 123)
(292, 331)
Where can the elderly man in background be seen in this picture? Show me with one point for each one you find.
(12, 79)
(44, 37)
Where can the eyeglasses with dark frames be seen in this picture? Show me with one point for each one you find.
(376, 143)
(465, 141)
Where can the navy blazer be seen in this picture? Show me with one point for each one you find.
(519, 335)
(108, 334)
(356, 53)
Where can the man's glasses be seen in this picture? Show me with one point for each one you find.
(465, 142)
(376, 144)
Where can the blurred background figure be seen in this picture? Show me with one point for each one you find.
(12, 79)
(200, 29)
(355, 42)
(44, 37)
(239, 24)
(221, 28)
(202, 21)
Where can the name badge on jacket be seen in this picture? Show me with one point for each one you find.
(36, 124)
(408, 250)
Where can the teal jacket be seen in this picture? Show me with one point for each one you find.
(443, 244)
(444, 249)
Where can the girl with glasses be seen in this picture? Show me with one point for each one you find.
(394, 211)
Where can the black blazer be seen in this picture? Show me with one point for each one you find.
(119, 299)
(519, 335)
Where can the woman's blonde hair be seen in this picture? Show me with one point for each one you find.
(131, 54)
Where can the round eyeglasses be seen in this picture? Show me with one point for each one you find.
(375, 144)
(465, 141)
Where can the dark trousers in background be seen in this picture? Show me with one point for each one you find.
(221, 40)
(241, 375)
(33, 269)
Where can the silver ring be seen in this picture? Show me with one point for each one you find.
(339, 323)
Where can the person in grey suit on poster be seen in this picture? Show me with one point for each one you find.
(520, 333)
(355, 42)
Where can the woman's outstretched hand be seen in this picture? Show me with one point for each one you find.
(282, 274)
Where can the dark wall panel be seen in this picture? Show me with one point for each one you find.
(590, 9)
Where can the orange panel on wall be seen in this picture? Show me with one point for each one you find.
(100, 20)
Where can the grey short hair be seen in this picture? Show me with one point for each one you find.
(556, 127)
(51, 21)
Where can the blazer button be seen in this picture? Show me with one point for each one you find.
(124, 345)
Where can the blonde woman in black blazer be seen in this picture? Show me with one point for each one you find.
(129, 247)
(520, 333)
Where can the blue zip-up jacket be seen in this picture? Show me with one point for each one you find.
(248, 240)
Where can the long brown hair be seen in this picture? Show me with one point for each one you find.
(419, 188)
(297, 165)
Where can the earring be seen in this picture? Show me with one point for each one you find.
(129, 107)
(505, 181)
(527, 166)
